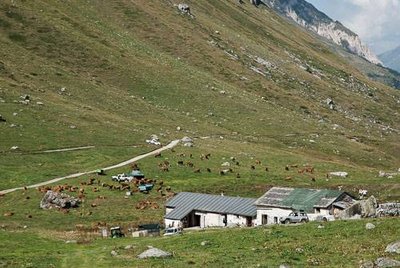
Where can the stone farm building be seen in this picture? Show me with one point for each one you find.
(205, 210)
(279, 202)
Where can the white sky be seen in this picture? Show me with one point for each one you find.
(377, 22)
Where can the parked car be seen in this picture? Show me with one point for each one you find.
(122, 178)
(295, 217)
(325, 218)
(172, 231)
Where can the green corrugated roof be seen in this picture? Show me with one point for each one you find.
(306, 199)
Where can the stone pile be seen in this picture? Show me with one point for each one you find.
(58, 200)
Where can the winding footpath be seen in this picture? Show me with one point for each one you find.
(127, 162)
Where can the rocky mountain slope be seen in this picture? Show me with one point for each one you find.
(312, 19)
(109, 74)
(391, 59)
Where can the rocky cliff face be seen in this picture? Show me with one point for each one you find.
(312, 19)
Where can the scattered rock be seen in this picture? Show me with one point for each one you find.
(320, 226)
(393, 247)
(39, 103)
(129, 247)
(184, 8)
(72, 127)
(25, 97)
(71, 242)
(339, 174)
(226, 164)
(330, 103)
(58, 200)
(114, 253)
(178, 128)
(14, 148)
(367, 264)
(154, 253)
(386, 262)
(284, 266)
(187, 142)
(369, 226)
(205, 243)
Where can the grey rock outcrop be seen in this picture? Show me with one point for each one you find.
(58, 200)
(365, 208)
(393, 247)
(386, 262)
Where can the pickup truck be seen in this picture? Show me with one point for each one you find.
(295, 217)
(122, 178)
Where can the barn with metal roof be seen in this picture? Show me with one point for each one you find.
(204, 210)
(280, 201)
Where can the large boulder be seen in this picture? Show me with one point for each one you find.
(154, 253)
(368, 207)
(58, 200)
(365, 208)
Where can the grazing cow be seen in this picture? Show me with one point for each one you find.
(180, 163)
(208, 156)
(238, 175)
(189, 164)
(237, 163)
(157, 155)
(313, 180)
(266, 169)
(258, 162)
(253, 167)
(164, 168)
(224, 172)
(287, 168)
(208, 170)
(93, 205)
(135, 166)
(197, 171)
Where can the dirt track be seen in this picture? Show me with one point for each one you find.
(166, 147)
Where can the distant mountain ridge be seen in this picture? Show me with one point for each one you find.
(391, 59)
(306, 15)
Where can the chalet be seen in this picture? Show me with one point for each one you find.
(205, 210)
(279, 202)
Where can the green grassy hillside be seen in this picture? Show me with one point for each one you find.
(240, 80)
(110, 74)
